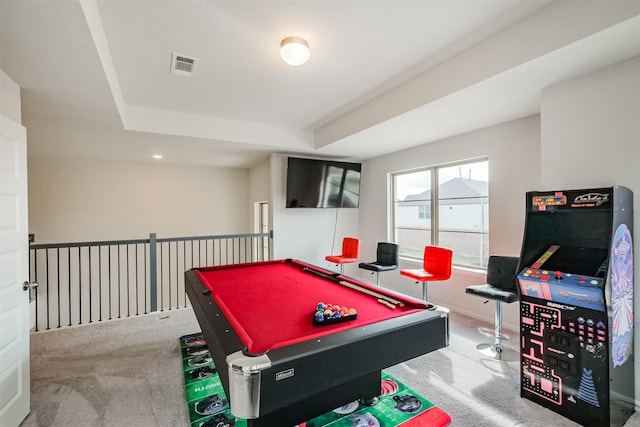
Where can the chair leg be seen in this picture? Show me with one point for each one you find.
(377, 278)
(494, 350)
(498, 331)
(424, 291)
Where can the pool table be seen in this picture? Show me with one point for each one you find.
(277, 366)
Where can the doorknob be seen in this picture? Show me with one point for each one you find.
(29, 285)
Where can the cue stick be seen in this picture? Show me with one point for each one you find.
(372, 293)
(382, 299)
(321, 274)
(387, 303)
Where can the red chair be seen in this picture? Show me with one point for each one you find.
(350, 253)
(436, 266)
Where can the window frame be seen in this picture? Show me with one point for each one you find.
(434, 201)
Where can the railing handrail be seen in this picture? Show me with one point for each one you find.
(214, 237)
(140, 241)
(85, 244)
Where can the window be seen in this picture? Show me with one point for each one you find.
(424, 212)
(444, 205)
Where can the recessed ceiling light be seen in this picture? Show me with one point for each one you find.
(157, 156)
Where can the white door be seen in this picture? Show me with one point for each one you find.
(14, 271)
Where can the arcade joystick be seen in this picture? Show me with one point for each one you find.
(558, 275)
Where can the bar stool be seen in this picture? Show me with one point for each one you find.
(350, 253)
(501, 287)
(386, 260)
(436, 266)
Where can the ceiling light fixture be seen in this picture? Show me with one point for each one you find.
(294, 51)
(157, 156)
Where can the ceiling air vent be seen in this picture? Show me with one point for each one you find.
(183, 65)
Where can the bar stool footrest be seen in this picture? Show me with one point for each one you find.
(492, 333)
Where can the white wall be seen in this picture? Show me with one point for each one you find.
(88, 200)
(591, 138)
(308, 234)
(591, 130)
(513, 152)
(10, 102)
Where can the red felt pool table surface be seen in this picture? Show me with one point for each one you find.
(271, 304)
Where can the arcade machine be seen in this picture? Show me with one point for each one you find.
(576, 308)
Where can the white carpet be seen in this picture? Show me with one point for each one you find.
(128, 372)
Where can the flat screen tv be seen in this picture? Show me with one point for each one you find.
(313, 183)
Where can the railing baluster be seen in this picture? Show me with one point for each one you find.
(153, 282)
(129, 285)
(178, 270)
(90, 285)
(109, 279)
(69, 278)
(154, 307)
(100, 281)
(47, 276)
(161, 278)
(79, 285)
(58, 282)
(170, 274)
(119, 294)
(33, 277)
(137, 290)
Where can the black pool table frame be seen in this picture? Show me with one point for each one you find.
(295, 383)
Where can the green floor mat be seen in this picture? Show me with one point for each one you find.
(209, 406)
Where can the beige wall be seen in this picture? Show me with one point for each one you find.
(88, 200)
(513, 150)
(259, 190)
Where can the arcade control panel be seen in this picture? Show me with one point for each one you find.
(563, 288)
(540, 281)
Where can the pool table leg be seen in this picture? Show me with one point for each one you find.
(370, 402)
(365, 388)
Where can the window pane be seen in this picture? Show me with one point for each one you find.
(412, 212)
(464, 180)
(468, 248)
(463, 212)
(413, 186)
(468, 214)
(412, 241)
